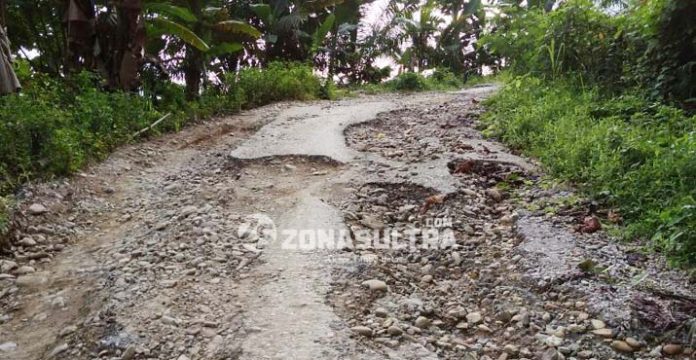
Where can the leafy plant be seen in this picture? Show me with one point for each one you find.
(627, 152)
(409, 81)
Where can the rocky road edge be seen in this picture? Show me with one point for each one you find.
(533, 275)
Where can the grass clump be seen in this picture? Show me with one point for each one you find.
(626, 151)
(408, 81)
(279, 81)
(440, 79)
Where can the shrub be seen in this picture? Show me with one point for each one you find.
(444, 79)
(55, 126)
(279, 81)
(4, 209)
(409, 81)
(650, 45)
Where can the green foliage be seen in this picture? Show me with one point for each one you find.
(445, 79)
(55, 126)
(409, 81)
(279, 81)
(651, 45)
(577, 38)
(440, 79)
(668, 63)
(627, 151)
(4, 221)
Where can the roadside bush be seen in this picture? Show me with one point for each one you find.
(627, 152)
(651, 45)
(576, 38)
(279, 81)
(444, 79)
(440, 79)
(54, 127)
(408, 81)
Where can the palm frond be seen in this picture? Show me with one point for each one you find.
(237, 27)
(161, 26)
(171, 11)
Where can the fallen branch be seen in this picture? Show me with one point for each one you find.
(152, 126)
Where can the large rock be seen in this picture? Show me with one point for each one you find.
(422, 322)
(23, 270)
(362, 330)
(598, 324)
(31, 281)
(621, 346)
(37, 209)
(6, 266)
(27, 242)
(8, 346)
(474, 318)
(375, 285)
(671, 349)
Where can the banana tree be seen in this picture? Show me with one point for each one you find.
(419, 29)
(206, 29)
(455, 47)
(294, 30)
(109, 37)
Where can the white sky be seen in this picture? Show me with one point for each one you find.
(375, 10)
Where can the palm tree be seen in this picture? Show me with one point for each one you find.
(294, 30)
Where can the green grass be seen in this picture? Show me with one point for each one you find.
(625, 151)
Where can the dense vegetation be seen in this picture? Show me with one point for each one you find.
(607, 101)
(602, 92)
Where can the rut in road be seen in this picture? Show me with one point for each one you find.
(163, 250)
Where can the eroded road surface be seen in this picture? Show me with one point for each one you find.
(379, 227)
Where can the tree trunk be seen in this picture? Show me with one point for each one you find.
(193, 65)
(8, 79)
(126, 57)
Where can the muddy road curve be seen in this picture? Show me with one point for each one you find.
(238, 239)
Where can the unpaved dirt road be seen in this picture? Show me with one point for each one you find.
(191, 246)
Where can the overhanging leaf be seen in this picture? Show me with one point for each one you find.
(263, 11)
(321, 32)
(225, 48)
(172, 11)
(161, 26)
(237, 27)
